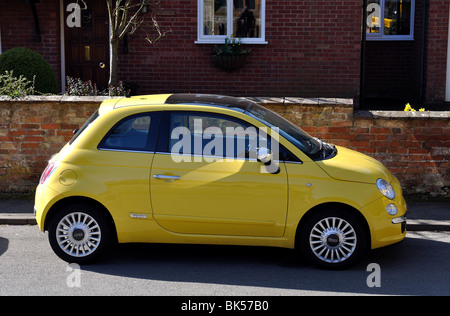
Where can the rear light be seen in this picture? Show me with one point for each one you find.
(47, 172)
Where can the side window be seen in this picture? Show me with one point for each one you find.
(134, 133)
(85, 125)
(213, 135)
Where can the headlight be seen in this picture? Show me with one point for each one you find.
(386, 189)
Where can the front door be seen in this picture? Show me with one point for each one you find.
(86, 47)
(203, 192)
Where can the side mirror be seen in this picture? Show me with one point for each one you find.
(265, 156)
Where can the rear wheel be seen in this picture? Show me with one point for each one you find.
(333, 239)
(80, 234)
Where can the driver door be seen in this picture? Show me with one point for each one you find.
(199, 188)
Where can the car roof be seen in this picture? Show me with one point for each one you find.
(239, 104)
(210, 99)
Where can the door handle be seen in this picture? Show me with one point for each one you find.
(164, 177)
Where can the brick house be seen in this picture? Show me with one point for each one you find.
(304, 48)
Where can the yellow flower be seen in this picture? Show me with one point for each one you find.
(408, 107)
(422, 110)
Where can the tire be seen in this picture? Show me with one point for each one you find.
(333, 239)
(80, 234)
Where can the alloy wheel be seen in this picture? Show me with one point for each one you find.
(78, 234)
(333, 240)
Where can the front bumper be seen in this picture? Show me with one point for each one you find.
(386, 229)
(399, 220)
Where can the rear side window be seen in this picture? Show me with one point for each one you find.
(83, 128)
(134, 133)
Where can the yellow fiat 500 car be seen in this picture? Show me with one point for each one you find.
(207, 169)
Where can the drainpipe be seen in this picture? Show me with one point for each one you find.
(362, 77)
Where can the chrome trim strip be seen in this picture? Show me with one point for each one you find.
(138, 215)
(399, 220)
(126, 150)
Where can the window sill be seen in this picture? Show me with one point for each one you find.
(390, 39)
(221, 41)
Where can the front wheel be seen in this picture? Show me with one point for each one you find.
(333, 239)
(80, 234)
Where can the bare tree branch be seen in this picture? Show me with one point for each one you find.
(125, 17)
(160, 34)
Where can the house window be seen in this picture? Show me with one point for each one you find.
(218, 19)
(390, 19)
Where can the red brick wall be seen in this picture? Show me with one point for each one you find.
(17, 27)
(313, 50)
(30, 132)
(437, 50)
(414, 146)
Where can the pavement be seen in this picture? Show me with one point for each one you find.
(422, 215)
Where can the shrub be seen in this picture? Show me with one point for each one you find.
(78, 87)
(15, 87)
(27, 63)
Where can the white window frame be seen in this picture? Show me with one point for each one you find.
(219, 39)
(382, 37)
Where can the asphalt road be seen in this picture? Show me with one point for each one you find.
(418, 266)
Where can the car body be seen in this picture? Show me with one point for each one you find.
(188, 168)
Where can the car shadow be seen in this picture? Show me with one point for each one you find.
(409, 268)
(3, 245)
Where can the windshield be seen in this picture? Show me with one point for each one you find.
(309, 145)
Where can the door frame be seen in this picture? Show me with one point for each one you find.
(62, 28)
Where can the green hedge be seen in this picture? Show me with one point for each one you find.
(28, 63)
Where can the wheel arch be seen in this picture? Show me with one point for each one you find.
(78, 200)
(327, 206)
